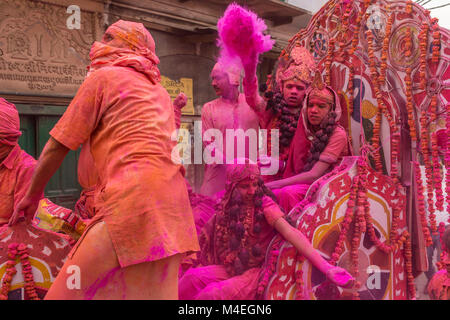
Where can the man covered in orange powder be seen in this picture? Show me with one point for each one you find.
(87, 172)
(143, 222)
(16, 166)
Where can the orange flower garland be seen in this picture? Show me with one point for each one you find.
(21, 250)
(437, 172)
(423, 43)
(299, 279)
(351, 51)
(429, 174)
(377, 126)
(345, 21)
(329, 61)
(408, 7)
(384, 53)
(358, 200)
(435, 158)
(409, 104)
(382, 109)
(421, 206)
(436, 40)
(447, 162)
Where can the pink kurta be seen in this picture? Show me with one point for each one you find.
(16, 172)
(220, 114)
(142, 195)
(333, 153)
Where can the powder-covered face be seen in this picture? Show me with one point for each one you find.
(294, 92)
(247, 188)
(318, 109)
(220, 82)
(109, 39)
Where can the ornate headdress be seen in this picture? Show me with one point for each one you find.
(299, 64)
(319, 90)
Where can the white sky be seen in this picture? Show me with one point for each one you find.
(443, 14)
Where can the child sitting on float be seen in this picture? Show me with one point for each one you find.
(235, 240)
(319, 144)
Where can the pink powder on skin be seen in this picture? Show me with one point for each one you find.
(100, 283)
(164, 273)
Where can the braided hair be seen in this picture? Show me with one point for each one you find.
(233, 220)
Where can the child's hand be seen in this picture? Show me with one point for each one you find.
(340, 277)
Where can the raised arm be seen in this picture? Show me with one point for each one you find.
(50, 160)
(250, 83)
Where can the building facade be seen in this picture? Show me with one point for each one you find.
(44, 47)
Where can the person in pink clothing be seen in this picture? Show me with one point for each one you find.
(235, 241)
(143, 224)
(229, 111)
(328, 143)
(281, 105)
(16, 166)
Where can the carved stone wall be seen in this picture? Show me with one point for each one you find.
(39, 54)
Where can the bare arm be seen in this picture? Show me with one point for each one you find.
(310, 176)
(252, 97)
(50, 160)
(302, 244)
(336, 274)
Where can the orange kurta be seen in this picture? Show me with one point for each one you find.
(142, 196)
(16, 172)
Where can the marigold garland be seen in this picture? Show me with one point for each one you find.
(358, 203)
(430, 174)
(437, 172)
(447, 162)
(350, 53)
(436, 40)
(436, 166)
(408, 7)
(421, 206)
(18, 250)
(329, 61)
(423, 44)
(384, 53)
(377, 126)
(409, 103)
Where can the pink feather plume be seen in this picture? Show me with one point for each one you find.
(241, 35)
